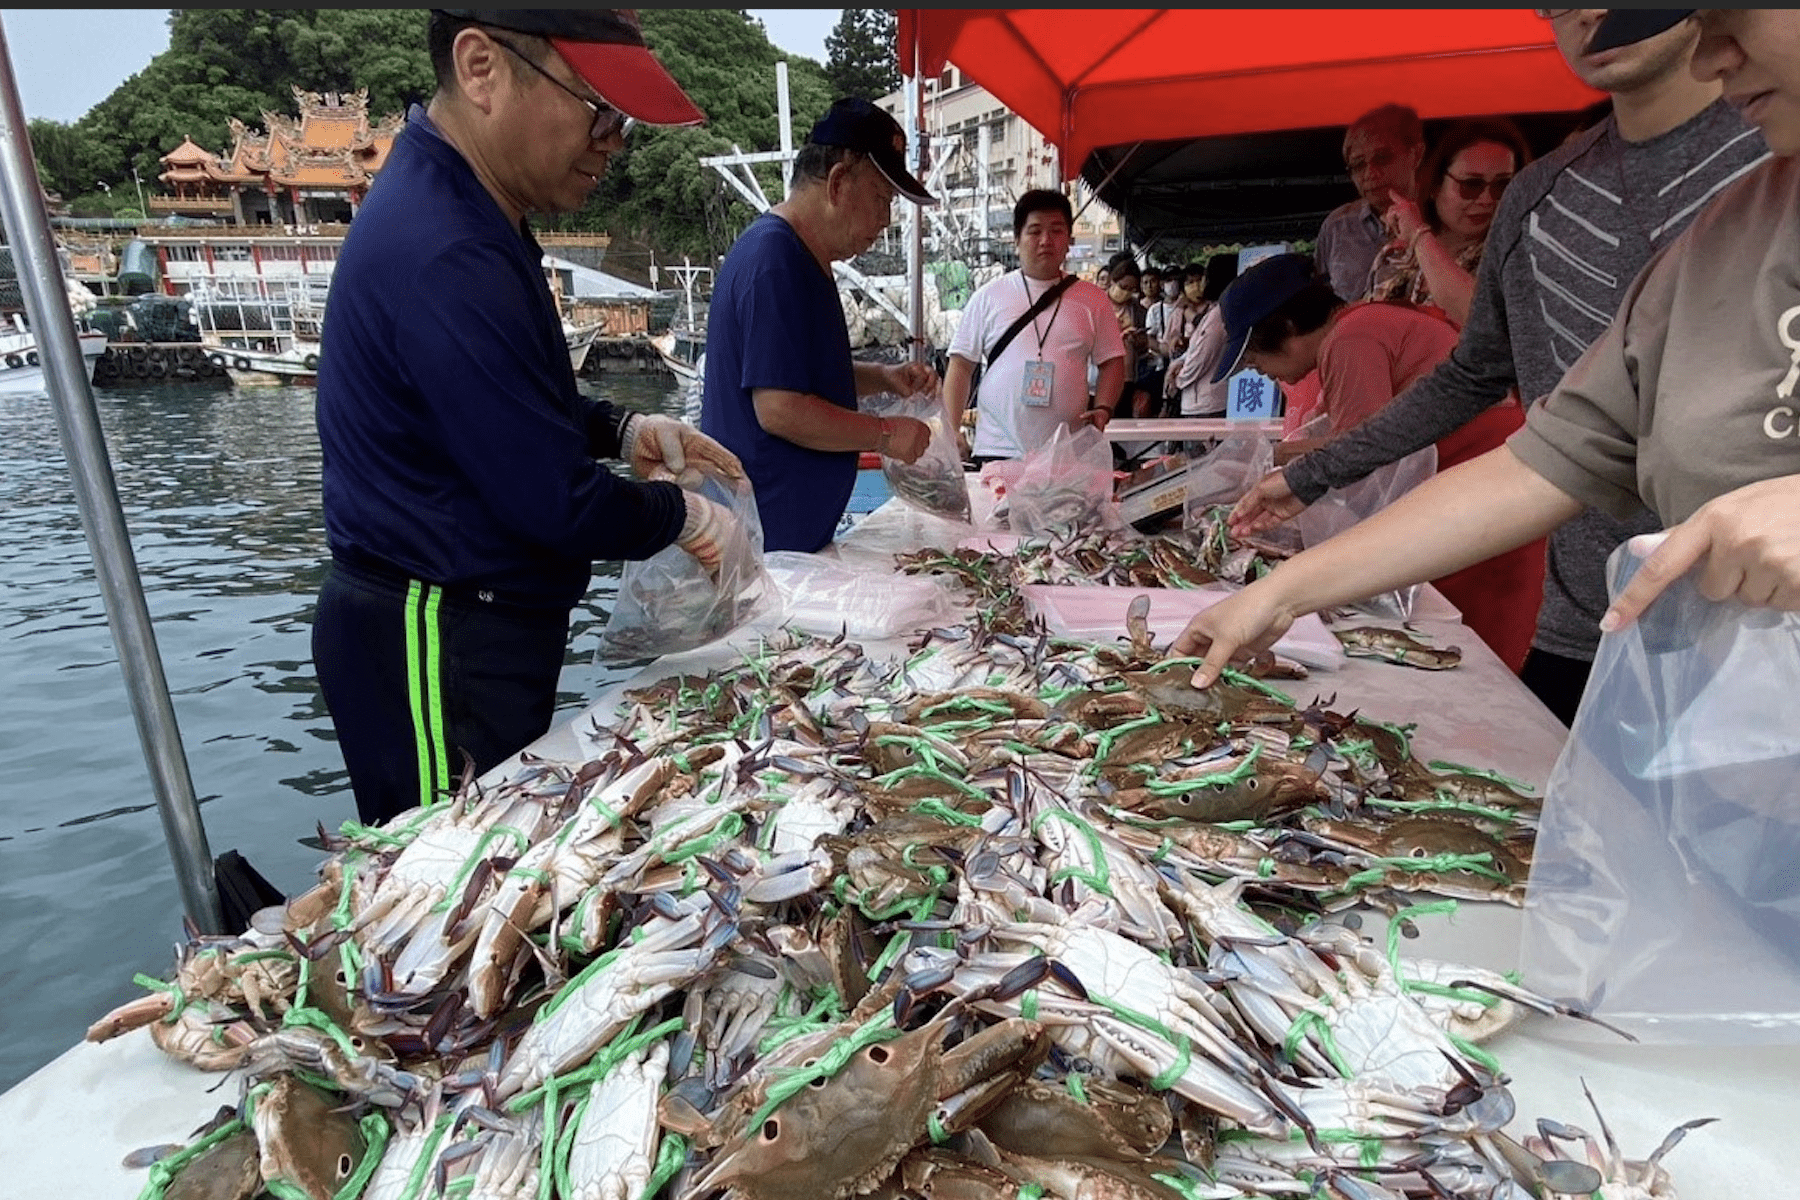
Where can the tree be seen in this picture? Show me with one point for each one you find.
(861, 59)
(657, 189)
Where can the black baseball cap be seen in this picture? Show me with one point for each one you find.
(606, 47)
(1625, 26)
(856, 124)
(1256, 294)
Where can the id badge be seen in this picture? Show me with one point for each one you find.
(1039, 383)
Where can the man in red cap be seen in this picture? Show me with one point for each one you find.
(464, 497)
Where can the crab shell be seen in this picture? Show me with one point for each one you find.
(846, 1134)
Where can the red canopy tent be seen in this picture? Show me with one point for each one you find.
(1095, 77)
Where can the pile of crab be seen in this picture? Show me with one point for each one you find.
(1205, 555)
(1008, 917)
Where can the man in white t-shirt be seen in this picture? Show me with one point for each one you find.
(1040, 378)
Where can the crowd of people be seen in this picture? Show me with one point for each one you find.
(1598, 343)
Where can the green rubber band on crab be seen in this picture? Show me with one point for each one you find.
(1256, 685)
(1297, 1032)
(1100, 877)
(1506, 781)
(1445, 803)
(934, 1128)
(1031, 1191)
(933, 807)
(879, 1028)
(415, 1179)
(1183, 1052)
(1180, 1183)
(1028, 1004)
(313, 1018)
(671, 1153)
(163, 1172)
(1103, 741)
(729, 827)
(375, 1132)
(1237, 774)
(453, 893)
(1077, 1089)
(921, 770)
(1475, 1053)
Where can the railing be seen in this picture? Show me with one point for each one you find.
(219, 206)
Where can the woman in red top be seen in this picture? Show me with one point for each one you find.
(1288, 323)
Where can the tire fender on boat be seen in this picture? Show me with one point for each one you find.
(13, 361)
(241, 363)
(31, 358)
(311, 363)
(216, 359)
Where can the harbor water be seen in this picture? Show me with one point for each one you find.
(220, 488)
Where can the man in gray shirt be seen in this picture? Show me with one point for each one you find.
(1382, 151)
(1572, 232)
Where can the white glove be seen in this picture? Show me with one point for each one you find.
(705, 531)
(660, 447)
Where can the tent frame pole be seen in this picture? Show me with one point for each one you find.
(96, 494)
(915, 244)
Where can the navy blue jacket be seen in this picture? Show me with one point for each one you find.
(456, 448)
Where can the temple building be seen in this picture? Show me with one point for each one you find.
(296, 173)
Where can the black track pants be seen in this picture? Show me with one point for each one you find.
(416, 678)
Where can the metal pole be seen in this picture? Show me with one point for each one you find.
(84, 445)
(787, 128)
(915, 244)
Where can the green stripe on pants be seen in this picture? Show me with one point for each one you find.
(423, 692)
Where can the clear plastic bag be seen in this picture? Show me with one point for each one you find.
(1224, 473)
(1665, 889)
(669, 602)
(1341, 508)
(825, 597)
(1065, 485)
(933, 482)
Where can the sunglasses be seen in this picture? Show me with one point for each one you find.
(1471, 187)
(607, 119)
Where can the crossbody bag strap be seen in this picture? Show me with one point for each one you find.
(1025, 318)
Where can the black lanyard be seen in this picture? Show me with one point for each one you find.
(1044, 336)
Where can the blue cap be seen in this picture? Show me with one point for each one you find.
(1626, 26)
(1256, 294)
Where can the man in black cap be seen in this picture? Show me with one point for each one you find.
(463, 494)
(781, 387)
(1572, 231)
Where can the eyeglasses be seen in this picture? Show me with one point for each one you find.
(607, 119)
(1552, 14)
(1471, 187)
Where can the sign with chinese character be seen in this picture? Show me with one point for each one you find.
(1254, 397)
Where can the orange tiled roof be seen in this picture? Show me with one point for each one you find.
(331, 145)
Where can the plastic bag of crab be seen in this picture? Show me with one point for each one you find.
(1007, 916)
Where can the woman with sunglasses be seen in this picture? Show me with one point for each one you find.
(1437, 242)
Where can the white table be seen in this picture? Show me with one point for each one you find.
(1185, 429)
(67, 1126)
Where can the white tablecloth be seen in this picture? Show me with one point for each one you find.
(66, 1128)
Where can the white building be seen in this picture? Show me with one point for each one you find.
(983, 157)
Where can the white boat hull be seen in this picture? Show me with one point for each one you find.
(259, 368)
(26, 378)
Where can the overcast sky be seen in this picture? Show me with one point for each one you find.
(67, 60)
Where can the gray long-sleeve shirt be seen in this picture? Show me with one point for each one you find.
(1571, 234)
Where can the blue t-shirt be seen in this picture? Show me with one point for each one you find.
(776, 322)
(455, 445)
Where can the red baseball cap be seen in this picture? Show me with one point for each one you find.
(605, 46)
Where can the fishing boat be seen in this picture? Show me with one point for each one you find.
(682, 350)
(21, 373)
